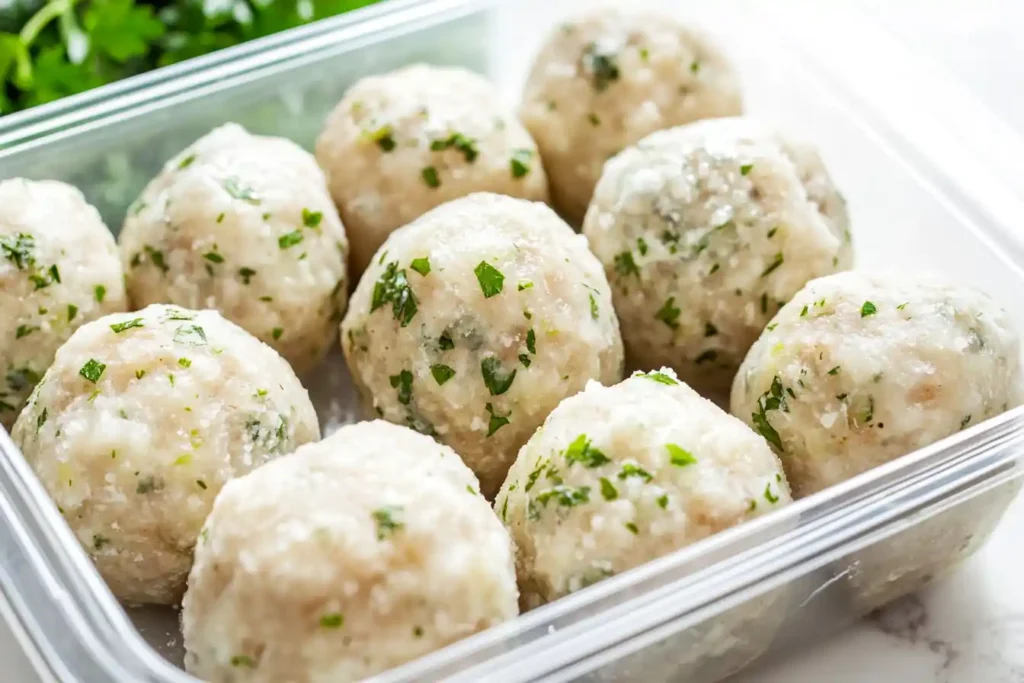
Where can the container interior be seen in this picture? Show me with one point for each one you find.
(905, 215)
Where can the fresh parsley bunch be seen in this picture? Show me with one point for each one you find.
(54, 48)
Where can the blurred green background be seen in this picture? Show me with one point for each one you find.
(54, 48)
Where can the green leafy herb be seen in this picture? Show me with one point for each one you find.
(441, 373)
(525, 360)
(632, 528)
(186, 162)
(190, 334)
(662, 501)
(25, 330)
(98, 541)
(388, 519)
(602, 65)
(768, 495)
(393, 287)
(72, 312)
(581, 451)
(234, 187)
(18, 248)
(100, 293)
(679, 456)
(746, 168)
(156, 257)
(963, 423)
(445, 342)
(868, 309)
(276, 333)
(495, 378)
(429, 175)
(491, 280)
(403, 382)
(669, 313)
(458, 141)
(594, 119)
(566, 496)
(608, 490)
(185, 362)
(92, 370)
(531, 341)
(118, 328)
(525, 284)
(519, 164)
(631, 470)
(835, 371)
(332, 620)
(246, 274)
(777, 261)
(902, 306)
(289, 240)
(694, 66)
(773, 399)
(311, 219)
(243, 661)
(421, 265)
(593, 307)
(496, 421)
(383, 136)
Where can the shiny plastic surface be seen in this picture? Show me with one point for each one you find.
(698, 614)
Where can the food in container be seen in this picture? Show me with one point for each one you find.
(243, 224)
(474, 321)
(58, 270)
(351, 556)
(141, 420)
(401, 143)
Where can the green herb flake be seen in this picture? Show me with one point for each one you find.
(246, 661)
(289, 240)
(659, 377)
(631, 470)
(631, 528)
(25, 330)
(519, 164)
(429, 175)
(525, 360)
(421, 265)
(190, 334)
(768, 495)
(662, 501)
(458, 141)
(92, 370)
(902, 306)
(773, 399)
(403, 382)
(445, 342)
(185, 362)
(531, 341)
(594, 119)
(393, 287)
(72, 312)
(201, 484)
(669, 313)
(388, 519)
(835, 371)
(594, 312)
(118, 328)
(963, 423)
(495, 422)
(491, 280)
(332, 620)
(417, 631)
(246, 274)
(602, 65)
(311, 219)
(495, 378)
(777, 261)
(18, 249)
(803, 312)
(98, 541)
(276, 333)
(625, 265)
(383, 136)
(608, 490)
(679, 456)
(41, 420)
(581, 451)
(139, 374)
(746, 168)
(234, 187)
(868, 309)
(524, 285)
(441, 373)
(694, 66)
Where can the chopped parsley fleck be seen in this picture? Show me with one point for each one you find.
(92, 370)
(496, 421)
(333, 620)
(902, 306)
(746, 168)
(201, 484)
(246, 274)
(243, 660)
(525, 360)
(72, 312)
(594, 312)
(417, 631)
(458, 141)
(525, 284)
(659, 377)
(139, 374)
(445, 341)
(156, 257)
(602, 66)
(220, 217)
(594, 119)
(519, 164)
(771, 328)
(497, 380)
(118, 328)
(531, 341)
(835, 371)
(669, 313)
(868, 309)
(429, 175)
(771, 233)
(694, 66)
(441, 373)
(679, 456)
(706, 356)
(403, 382)
(768, 495)
(383, 136)
(183, 459)
(581, 451)
(393, 287)
(777, 261)
(625, 265)
(631, 470)
(565, 496)
(18, 249)
(41, 420)
(184, 362)
(276, 333)
(963, 423)
(632, 528)
(491, 280)
(234, 187)
(186, 162)
(421, 265)
(773, 399)
(608, 490)
(803, 312)
(641, 246)
(213, 257)
(311, 219)
(25, 330)
(289, 240)
(662, 501)
(388, 520)
(190, 334)
(869, 411)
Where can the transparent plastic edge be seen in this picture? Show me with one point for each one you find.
(828, 524)
(41, 125)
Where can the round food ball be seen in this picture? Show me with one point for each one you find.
(138, 424)
(243, 224)
(58, 270)
(474, 321)
(705, 231)
(351, 556)
(620, 475)
(607, 79)
(401, 143)
(861, 368)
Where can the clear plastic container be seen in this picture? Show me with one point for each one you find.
(919, 201)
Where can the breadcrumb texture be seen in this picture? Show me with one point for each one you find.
(605, 80)
(705, 231)
(141, 420)
(58, 270)
(399, 144)
(243, 224)
(351, 556)
(474, 321)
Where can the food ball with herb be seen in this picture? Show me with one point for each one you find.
(474, 321)
(605, 80)
(861, 368)
(58, 270)
(618, 476)
(401, 143)
(243, 224)
(368, 549)
(705, 231)
(138, 424)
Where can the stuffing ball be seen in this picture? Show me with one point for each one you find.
(618, 476)
(705, 231)
(606, 80)
(861, 368)
(474, 321)
(401, 143)
(141, 420)
(243, 224)
(349, 557)
(58, 270)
